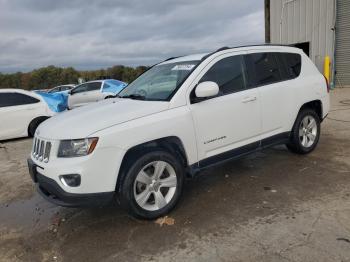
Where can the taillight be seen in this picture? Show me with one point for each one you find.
(327, 84)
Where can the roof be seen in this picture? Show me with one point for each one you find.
(114, 80)
(21, 91)
(91, 81)
(15, 90)
(102, 80)
(72, 85)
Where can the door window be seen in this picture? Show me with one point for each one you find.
(262, 69)
(228, 73)
(64, 88)
(93, 86)
(79, 89)
(16, 99)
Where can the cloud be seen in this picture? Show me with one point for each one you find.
(95, 34)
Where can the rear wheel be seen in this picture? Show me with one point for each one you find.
(305, 133)
(152, 185)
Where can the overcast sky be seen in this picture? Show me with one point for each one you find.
(97, 34)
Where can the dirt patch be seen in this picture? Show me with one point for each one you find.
(15, 182)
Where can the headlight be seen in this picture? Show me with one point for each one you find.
(77, 147)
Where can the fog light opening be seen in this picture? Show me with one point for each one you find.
(72, 180)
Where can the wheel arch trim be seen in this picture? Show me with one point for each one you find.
(171, 144)
(39, 119)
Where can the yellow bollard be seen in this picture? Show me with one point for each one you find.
(327, 68)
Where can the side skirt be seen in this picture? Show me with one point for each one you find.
(236, 153)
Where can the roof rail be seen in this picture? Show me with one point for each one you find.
(218, 50)
(223, 48)
(171, 58)
(226, 48)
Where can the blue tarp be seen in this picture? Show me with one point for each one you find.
(113, 86)
(57, 102)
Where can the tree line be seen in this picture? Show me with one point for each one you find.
(51, 76)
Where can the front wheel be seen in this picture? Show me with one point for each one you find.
(152, 185)
(305, 133)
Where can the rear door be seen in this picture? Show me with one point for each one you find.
(268, 73)
(16, 112)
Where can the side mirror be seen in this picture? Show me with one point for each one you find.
(207, 89)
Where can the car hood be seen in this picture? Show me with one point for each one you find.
(83, 121)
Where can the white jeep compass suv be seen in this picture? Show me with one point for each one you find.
(179, 117)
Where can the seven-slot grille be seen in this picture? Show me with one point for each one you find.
(41, 150)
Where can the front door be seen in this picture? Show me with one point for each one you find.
(228, 124)
(77, 96)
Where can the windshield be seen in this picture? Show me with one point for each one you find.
(159, 82)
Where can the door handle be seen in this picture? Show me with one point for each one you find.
(248, 99)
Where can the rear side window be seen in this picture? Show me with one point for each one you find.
(16, 99)
(228, 74)
(262, 69)
(293, 64)
(106, 86)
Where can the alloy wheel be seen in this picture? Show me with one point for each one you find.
(308, 131)
(155, 185)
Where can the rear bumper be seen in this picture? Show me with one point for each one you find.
(51, 191)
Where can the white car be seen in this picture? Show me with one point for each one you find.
(61, 88)
(93, 91)
(21, 112)
(181, 116)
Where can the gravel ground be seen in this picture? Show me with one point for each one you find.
(269, 206)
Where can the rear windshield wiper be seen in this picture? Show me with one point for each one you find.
(134, 96)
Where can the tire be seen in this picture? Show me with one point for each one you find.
(34, 125)
(144, 195)
(304, 140)
(108, 97)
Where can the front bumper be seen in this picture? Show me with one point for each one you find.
(51, 191)
(324, 117)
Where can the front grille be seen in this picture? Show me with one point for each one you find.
(41, 150)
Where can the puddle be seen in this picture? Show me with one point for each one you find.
(28, 215)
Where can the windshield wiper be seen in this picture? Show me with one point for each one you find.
(134, 96)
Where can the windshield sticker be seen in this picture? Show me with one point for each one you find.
(183, 67)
